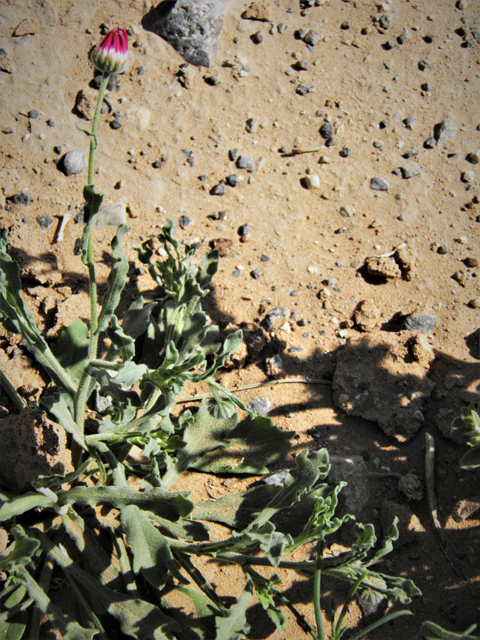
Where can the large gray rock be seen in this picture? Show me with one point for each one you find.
(192, 27)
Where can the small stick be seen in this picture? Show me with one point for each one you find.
(390, 253)
(432, 501)
(61, 228)
(256, 385)
(296, 151)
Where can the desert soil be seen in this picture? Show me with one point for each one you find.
(310, 245)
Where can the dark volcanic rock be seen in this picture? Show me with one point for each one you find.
(192, 27)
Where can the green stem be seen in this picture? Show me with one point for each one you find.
(316, 589)
(96, 117)
(82, 394)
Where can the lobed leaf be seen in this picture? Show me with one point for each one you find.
(234, 626)
(151, 551)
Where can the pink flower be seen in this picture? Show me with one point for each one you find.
(110, 55)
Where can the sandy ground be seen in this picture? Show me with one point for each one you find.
(316, 240)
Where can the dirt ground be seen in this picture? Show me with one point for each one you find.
(310, 244)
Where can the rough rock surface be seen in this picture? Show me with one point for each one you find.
(366, 315)
(192, 27)
(31, 446)
(354, 472)
(374, 379)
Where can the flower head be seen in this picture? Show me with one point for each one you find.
(110, 55)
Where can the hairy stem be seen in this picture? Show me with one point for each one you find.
(317, 589)
(82, 394)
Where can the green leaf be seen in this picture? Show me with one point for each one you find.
(71, 349)
(309, 468)
(122, 342)
(166, 504)
(432, 631)
(116, 280)
(22, 504)
(203, 434)
(234, 626)
(21, 553)
(471, 459)
(12, 630)
(265, 590)
(137, 618)
(93, 199)
(14, 313)
(151, 551)
(57, 406)
(68, 627)
(252, 445)
(138, 317)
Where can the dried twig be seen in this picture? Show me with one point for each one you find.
(432, 501)
(256, 385)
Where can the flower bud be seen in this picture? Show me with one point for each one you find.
(411, 486)
(110, 55)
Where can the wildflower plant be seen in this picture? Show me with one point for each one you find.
(124, 578)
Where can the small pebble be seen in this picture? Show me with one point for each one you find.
(74, 162)
(232, 154)
(218, 189)
(303, 89)
(409, 122)
(256, 274)
(115, 124)
(158, 164)
(312, 38)
(232, 180)
(264, 258)
(471, 262)
(423, 65)
(442, 250)
(58, 149)
(21, 198)
(475, 303)
(260, 406)
(326, 130)
(244, 230)
(422, 322)
(311, 181)
(344, 153)
(430, 143)
(445, 131)
(33, 114)
(243, 162)
(257, 37)
(474, 157)
(379, 184)
(45, 222)
(77, 250)
(410, 170)
(184, 221)
(468, 176)
(252, 125)
(141, 70)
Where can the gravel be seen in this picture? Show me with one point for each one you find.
(21, 198)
